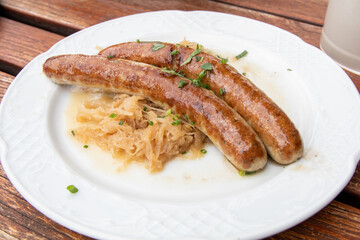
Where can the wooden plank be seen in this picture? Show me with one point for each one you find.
(336, 221)
(313, 11)
(5, 80)
(19, 43)
(77, 14)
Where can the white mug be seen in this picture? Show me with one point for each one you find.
(340, 37)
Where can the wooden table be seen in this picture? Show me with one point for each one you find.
(29, 27)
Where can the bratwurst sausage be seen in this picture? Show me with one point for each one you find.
(223, 125)
(277, 131)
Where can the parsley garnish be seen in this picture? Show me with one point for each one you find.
(72, 189)
(85, 146)
(222, 91)
(157, 46)
(144, 109)
(182, 84)
(196, 52)
(174, 52)
(241, 55)
(121, 122)
(110, 56)
(113, 115)
(207, 66)
(150, 123)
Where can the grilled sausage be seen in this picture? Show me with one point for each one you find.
(277, 131)
(223, 125)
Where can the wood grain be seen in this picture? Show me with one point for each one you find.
(20, 43)
(336, 221)
(77, 15)
(312, 12)
(5, 80)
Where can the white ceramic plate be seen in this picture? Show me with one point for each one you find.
(193, 199)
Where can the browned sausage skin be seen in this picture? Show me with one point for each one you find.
(223, 125)
(274, 127)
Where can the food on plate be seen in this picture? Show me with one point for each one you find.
(132, 129)
(210, 114)
(277, 131)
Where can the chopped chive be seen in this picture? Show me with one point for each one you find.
(207, 66)
(197, 46)
(202, 59)
(202, 74)
(196, 82)
(203, 151)
(73, 133)
(244, 73)
(138, 40)
(157, 46)
(241, 55)
(175, 117)
(160, 116)
(223, 60)
(222, 91)
(110, 56)
(192, 123)
(174, 52)
(150, 123)
(85, 146)
(176, 122)
(196, 52)
(121, 122)
(243, 173)
(144, 109)
(113, 115)
(289, 69)
(186, 118)
(72, 189)
(168, 112)
(183, 152)
(197, 58)
(182, 84)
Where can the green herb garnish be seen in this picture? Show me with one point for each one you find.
(150, 123)
(113, 115)
(202, 59)
(192, 123)
(73, 133)
(144, 109)
(183, 152)
(289, 69)
(72, 189)
(207, 66)
(182, 84)
(121, 122)
(174, 52)
(85, 146)
(197, 58)
(186, 118)
(196, 52)
(168, 112)
(157, 46)
(160, 116)
(241, 55)
(203, 151)
(176, 122)
(138, 40)
(222, 91)
(110, 56)
(244, 73)
(243, 173)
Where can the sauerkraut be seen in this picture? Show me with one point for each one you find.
(132, 128)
